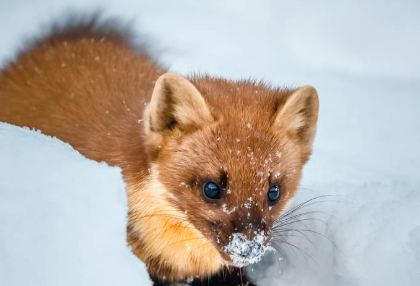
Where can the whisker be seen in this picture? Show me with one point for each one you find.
(197, 248)
(277, 247)
(183, 240)
(304, 236)
(301, 251)
(285, 219)
(308, 203)
(300, 221)
(307, 230)
(302, 204)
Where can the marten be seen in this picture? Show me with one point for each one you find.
(209, 163)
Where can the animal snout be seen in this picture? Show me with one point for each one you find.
(244, 251)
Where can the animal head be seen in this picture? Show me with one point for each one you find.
(229, 156)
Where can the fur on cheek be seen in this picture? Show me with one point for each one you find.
(170, 246)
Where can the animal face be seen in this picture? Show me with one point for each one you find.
(230, 156)
(229, 182)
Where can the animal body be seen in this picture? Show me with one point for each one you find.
(209, 163)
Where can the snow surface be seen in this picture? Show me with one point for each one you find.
(367, 234)
(62, 217)
(362, 56)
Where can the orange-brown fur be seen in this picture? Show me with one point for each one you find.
(91, 88)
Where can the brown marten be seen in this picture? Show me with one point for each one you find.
(209, 163)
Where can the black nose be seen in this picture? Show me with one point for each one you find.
(251, 249)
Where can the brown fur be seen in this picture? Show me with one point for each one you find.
(91, 89)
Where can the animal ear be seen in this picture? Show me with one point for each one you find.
(299, 115)
(175, 104)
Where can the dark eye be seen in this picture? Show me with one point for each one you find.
(273, 193)
(211, 190)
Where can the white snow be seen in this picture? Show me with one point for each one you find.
(362, 56)
(62, 217)
(225, 210)
(243, 251)
(367, 234)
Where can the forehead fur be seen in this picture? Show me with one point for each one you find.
(244, 112)
(245, 100)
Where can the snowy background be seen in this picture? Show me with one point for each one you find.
(363, 58)
(62, 217)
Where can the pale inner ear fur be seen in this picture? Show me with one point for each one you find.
(298, 117)
(176, 103)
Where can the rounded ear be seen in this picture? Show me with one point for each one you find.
(298, 117)
(175, 103)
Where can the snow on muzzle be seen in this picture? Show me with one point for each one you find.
(243, 251)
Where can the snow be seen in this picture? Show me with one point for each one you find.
(62, 217)
(362, 56)
(225, 210)
(367, 234)
(243, 251)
